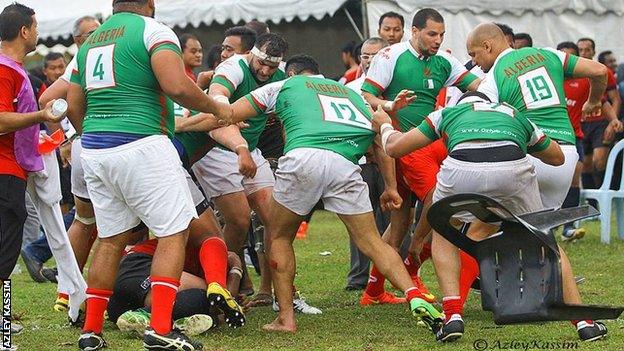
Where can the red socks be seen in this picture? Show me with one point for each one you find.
(452, 305)
(413, 293)
(97, 301)
(213, 257)
(63, 296)
(467, 275)
(376, 281)
(164, 292)
(412, 266)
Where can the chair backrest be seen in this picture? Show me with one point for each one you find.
(606, 183)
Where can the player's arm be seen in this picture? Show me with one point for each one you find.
(474, 85)
(597, 74)
(394, 143)
(615, 100)
(551, 155)
(615, 125)
(231, 138)
(459, 76)
(76, 105)
(390, 198)
(58, 90)
(169, 71)
(201, 122)
(541, 146)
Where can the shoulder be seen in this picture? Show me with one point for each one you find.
(391, 53)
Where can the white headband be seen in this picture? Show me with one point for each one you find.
(263, 56)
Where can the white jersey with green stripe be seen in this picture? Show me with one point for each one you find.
(318, 113)
(531, 80)
(479, 121)
(235, 75)
(400, 66)
(114, 68)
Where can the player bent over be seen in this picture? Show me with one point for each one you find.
(328, 128)
(481, 160)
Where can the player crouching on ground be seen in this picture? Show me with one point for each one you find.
(488, 145)
(328, 128)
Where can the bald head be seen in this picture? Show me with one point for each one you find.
(485, 43)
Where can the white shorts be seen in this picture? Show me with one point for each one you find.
(554, 181)
(512, 183)
(218, 173)
(140, 181)
(196, 194)
(78, 184)
(306, 175)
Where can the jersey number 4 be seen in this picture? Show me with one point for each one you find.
(538, 89)
(99, 67)
(342, 110)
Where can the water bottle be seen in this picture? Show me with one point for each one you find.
(59, 107)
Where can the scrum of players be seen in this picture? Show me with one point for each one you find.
(156, 145)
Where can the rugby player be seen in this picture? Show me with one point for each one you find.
(241, 179)
(417, 65)
(327, 131)
(531, 80)
(132, 170)
(487, 145)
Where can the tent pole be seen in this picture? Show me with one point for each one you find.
(365, 18)
(357, 30)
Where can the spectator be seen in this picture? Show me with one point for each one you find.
(508, 32)
(391, 27)
(238, 40)
(587, 49)
(19, 118)
(360, 264)
(522, 40)
(350, 62)
(213, 57)
(258, 27)
(53, 67)
(608, 59)
(192, 54)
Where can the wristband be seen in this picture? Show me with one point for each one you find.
(385, 134)
(241, 145)
(237, 271)
(388, 106)
(222, 98)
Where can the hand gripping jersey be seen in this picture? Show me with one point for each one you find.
(531, 80)
(399, 67)
(483, 121)
(115, 71)
(235, 75)
(195, 144)
(318, 113)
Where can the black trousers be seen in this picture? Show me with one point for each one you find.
(12, 217)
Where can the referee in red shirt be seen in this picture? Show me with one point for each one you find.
(19, 128)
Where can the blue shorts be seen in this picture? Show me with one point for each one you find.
(580, 149)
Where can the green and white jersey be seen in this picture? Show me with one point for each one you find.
(399, 67)
(195, 144)
(473, 121)
(318, 113)
(115, 71)
(531, 80)
(235, 75)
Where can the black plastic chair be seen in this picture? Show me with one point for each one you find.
(520, 267)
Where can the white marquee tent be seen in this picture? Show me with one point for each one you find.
(549, 22)
(56, 17)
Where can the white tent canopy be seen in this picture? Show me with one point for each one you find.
(56, 17)
(549, 22)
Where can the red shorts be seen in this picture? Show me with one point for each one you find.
(418, 171)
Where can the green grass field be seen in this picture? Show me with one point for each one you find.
(344, 325)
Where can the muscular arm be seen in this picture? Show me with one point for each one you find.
(58, 90)
(13, 121)
(614, 98)
(597, 74)
(474, 85)
(76, 106)
(400, 144)
(373, 100)
(552, 155)
(202, 122)
(169, 71)
(229, 137)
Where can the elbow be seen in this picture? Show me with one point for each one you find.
(392, 151)
(601, 71)
(173, 91)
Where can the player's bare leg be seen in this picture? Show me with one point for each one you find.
(260, 202)
(366, 237)
(81, 234)
(281, 232)
(446, 263)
